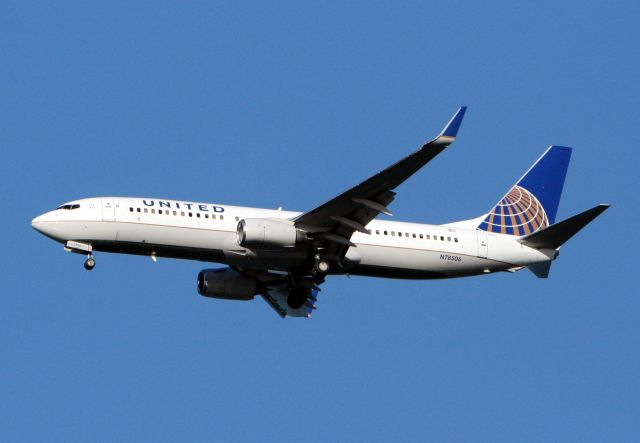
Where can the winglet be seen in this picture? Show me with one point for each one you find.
(451, 130)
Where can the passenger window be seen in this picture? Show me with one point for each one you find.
(428, 237)
(130, 209)
(393, 233)
(414, 236)
(146, 210)
(399, 234)
(153, 211)
(198, 214)
(206, 216)
(455, 239)
(441, 238)
(448, 238)
(385, 233)
(182, 213)
(421, 236)
(138, 209)
(190, 214)
(160, 211)
(221, 217)
(237, 219)
(377, 232)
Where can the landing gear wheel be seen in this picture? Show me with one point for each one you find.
(322, 266)
(89, 263)
(320, 269)
(295, 302)
(297, 297)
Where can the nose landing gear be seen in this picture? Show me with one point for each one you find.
(89, 263)
(82, 248)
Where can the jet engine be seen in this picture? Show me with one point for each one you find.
(225, 283)
(264, 233)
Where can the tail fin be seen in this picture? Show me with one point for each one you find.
(532, 203)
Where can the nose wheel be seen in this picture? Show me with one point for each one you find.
(89, 263)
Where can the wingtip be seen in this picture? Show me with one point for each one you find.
(451, 129)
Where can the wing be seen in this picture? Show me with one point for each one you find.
(335, 221)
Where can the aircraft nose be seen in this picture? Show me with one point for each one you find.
(43, 223)
(36, 222)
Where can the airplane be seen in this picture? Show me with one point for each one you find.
(285, 256)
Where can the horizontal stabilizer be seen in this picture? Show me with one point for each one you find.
(556, 235)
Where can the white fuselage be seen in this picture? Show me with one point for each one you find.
(207, 232)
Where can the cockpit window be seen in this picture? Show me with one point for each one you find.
(68, 207)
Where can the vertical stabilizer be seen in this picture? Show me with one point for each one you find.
(532, 203)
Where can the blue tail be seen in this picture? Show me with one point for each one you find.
(532, 203)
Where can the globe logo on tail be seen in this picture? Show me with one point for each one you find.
(518, 213)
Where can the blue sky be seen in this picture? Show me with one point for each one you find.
(288, 104)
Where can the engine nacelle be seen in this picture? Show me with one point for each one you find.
(227, 284)
(264, 233)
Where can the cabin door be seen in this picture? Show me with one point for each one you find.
(108, 210)
(483, 243)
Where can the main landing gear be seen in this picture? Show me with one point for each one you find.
(89, 263)
(322, 266)
(297, 297)
(320, 269)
